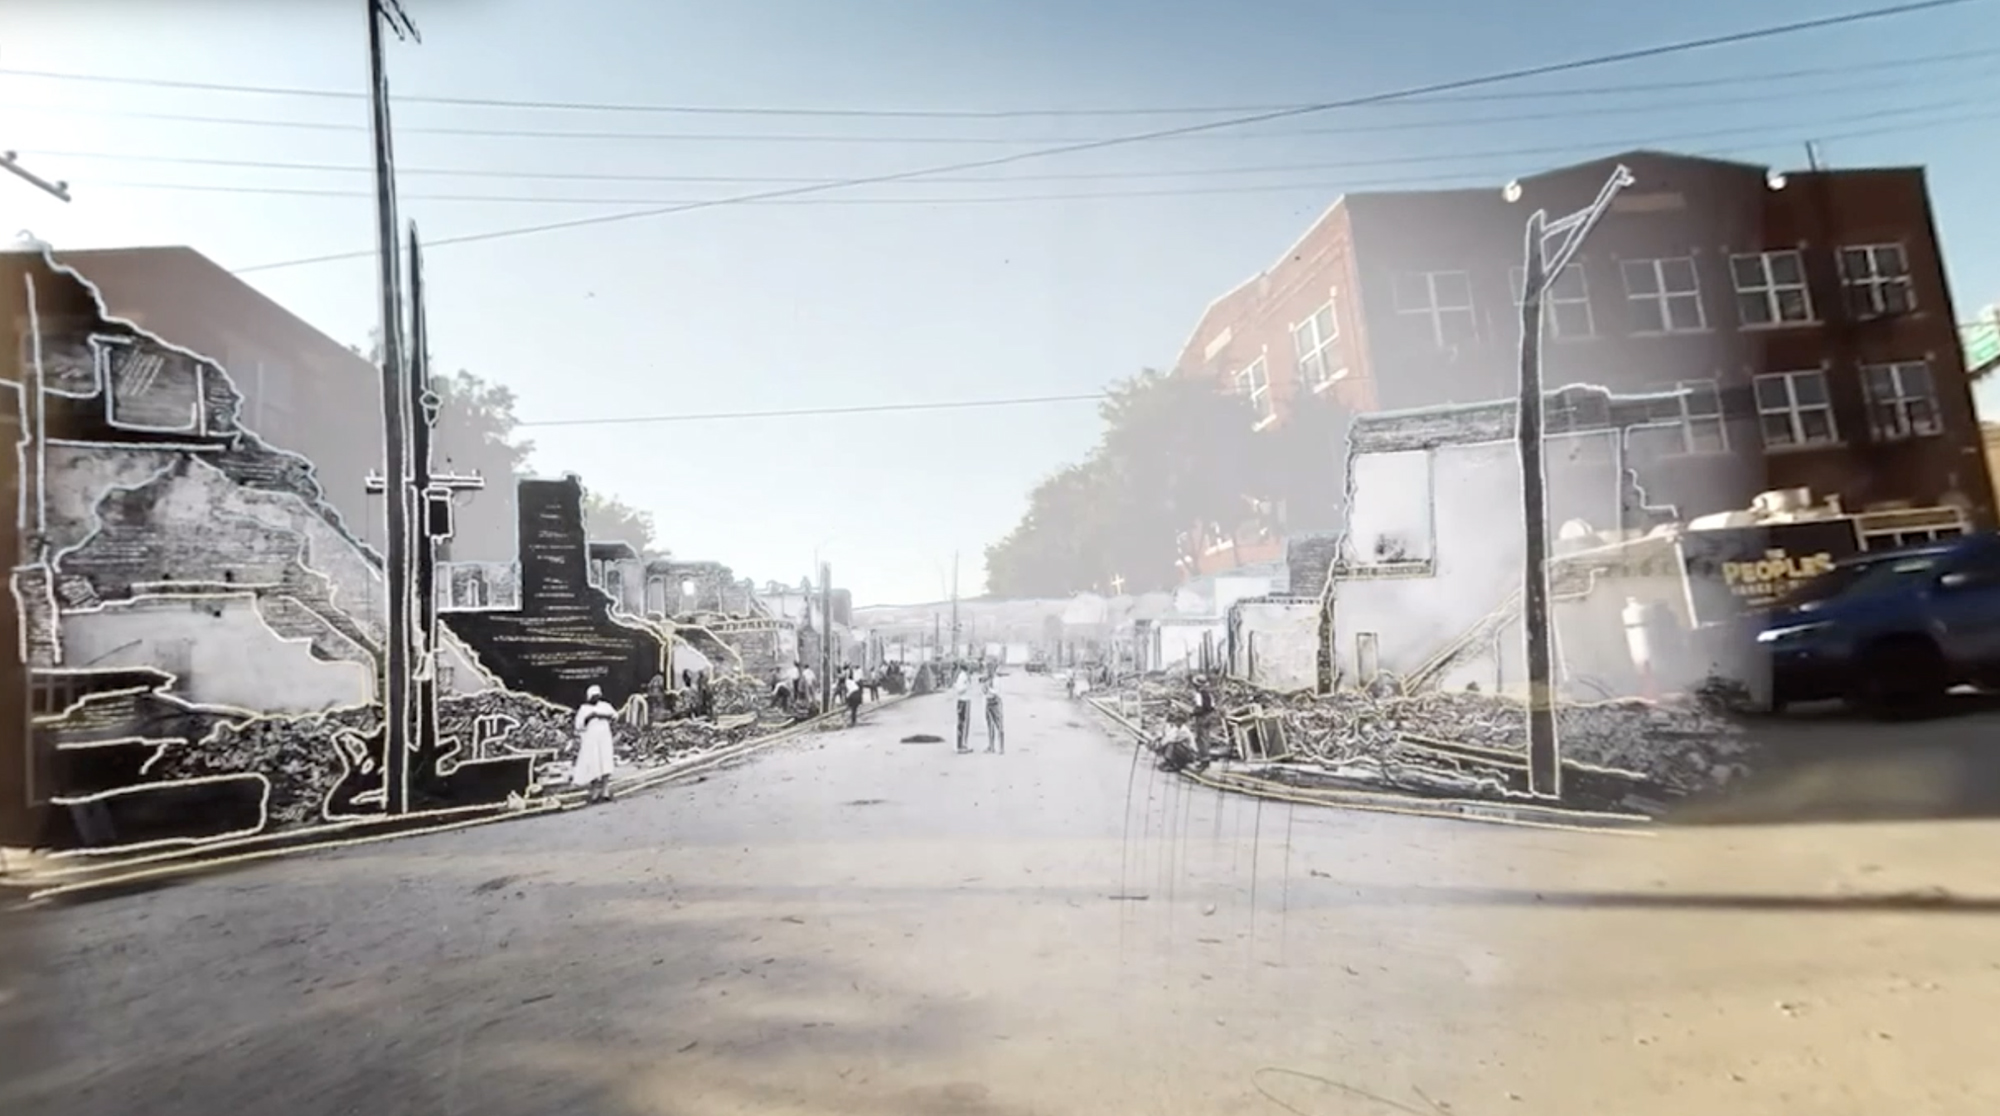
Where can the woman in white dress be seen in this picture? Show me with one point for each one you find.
(593, 756)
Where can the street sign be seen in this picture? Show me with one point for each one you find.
(1981, 341)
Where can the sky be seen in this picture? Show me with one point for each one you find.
(1047, 277)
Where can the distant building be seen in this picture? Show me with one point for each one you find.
(1806, 315)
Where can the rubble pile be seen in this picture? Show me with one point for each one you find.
(298, 755)
(550, 730)
(1452, 743)
(737, 693)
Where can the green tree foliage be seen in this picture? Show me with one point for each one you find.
(1309, 457)
(478, 432)
(606, 518)
(1178, 454)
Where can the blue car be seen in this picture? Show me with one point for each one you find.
(1890, 629)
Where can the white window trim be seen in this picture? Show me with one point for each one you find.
(1322, 346)
(1687, 388)
(1551, 299)
(1260, 396)
(1793, 411)
(1770, 289)
(1435, 313)
(1875, 282)
(1661, 297)
(1900, 402)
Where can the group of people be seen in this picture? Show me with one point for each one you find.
(978, 686)
(796, 689)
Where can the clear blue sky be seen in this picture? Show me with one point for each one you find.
(837, 303)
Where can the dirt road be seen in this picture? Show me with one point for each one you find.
(852, 924)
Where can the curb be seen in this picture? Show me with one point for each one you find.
(1387, 802)
(52, 882)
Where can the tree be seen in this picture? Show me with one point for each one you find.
(1179, 458)
(606, 519)
(1309, 459)
(1188, 460)
(476, 433)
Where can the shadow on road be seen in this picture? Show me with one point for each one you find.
(409, 985)
(1825, 764)
(1909, 902)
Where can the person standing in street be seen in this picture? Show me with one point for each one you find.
(996, 726)
(594, 758)
(851, 687)
(966, 690)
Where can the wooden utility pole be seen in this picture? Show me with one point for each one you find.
(1541, 270)
(825, 636)
(954, 604)
(395, 434)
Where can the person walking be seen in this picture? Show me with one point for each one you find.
(966, 689)
(996, 727)
(594, 758)
(851, 693)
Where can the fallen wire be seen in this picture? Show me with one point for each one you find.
(1435, 1109)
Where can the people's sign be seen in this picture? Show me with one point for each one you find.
(1738, 568)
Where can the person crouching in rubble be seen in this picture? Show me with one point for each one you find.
(594, 758)
(1177, 745)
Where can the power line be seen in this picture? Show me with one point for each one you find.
(978, 114)
(802, 412)
(1165, 133)
(1790, 129)
(848, 138)
(1468, 177)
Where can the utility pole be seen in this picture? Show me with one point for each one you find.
(1541, 269)
(395, 480)
(954, 604)
(826, 636)
(11, 163)
(434, 493)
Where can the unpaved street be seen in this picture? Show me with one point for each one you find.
(850, 924)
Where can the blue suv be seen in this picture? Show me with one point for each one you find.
(1890, 630)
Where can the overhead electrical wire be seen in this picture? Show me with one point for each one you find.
(848, 138)
(806, 412)
(1452, 85)
(981, 114)
(1776, 132)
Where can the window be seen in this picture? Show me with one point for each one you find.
(1444, 300)
(1794, 410)
(1770, 288)
(1702, 428)
(1901, 400)
(1877, 280)
(1313, 339)
(1254, 382)
(1896, 540)
(1665, 296)
(1565, 305)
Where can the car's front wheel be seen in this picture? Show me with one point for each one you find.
(1901, 675)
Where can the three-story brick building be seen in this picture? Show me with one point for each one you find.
(1802, 322)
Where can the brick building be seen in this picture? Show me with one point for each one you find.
(302, 390)
(1804, 318)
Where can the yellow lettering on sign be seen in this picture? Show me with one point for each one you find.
(1775, 572)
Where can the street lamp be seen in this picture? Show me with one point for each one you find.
(1542, 267)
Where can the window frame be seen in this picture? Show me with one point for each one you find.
(1876, 282)
(1904, 429)
(1435, 312)
(1662, 298)
(1794, 411)
(1769, 292)
(1315, 362)
(1554, 300)
(1259, 395)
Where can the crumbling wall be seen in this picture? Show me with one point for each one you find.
(222, 652)
(1277, 642)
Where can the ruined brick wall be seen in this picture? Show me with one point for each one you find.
(1277, 643)
(1308, 558)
